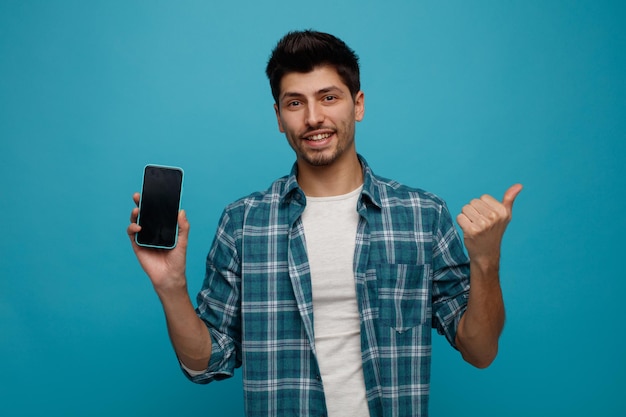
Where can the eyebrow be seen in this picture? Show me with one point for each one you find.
(325, 90)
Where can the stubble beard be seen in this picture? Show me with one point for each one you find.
(325, 157)
(320, 158)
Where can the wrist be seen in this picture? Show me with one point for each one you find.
(172, 290)
(487, 266)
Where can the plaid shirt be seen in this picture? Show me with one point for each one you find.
(411, 274)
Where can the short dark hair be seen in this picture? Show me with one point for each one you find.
(302, 51)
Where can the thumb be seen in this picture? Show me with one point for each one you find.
(510, 195)
(183, 224)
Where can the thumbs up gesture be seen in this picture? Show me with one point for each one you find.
(483, 222)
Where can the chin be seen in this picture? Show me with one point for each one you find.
(320, 160)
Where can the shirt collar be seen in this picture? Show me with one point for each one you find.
(370, 185)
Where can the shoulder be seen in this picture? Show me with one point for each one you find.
(388, 193)
(272, 195)
(394, 193)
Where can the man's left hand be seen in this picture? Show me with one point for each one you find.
(483, 222)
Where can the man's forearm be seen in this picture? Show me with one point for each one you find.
(481, 325)
(483, 222)
(189, 335)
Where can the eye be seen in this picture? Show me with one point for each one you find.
(294, 103)
(329, 98)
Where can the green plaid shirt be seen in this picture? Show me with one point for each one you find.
(411, 274)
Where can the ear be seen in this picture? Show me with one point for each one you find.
(280, 124)
(359, 106)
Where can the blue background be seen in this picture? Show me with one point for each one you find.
(462, 98)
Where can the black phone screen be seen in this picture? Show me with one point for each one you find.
(159, 205)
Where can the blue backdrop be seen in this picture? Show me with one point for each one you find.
(462, 98)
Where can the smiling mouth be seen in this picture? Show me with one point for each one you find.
(318, 137)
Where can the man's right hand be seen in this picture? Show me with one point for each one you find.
(165, 267)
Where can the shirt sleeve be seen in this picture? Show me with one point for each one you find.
(450, 278)
(218, 305)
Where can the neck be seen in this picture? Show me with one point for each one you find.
(330, 180)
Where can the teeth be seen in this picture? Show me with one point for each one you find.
(320, 136)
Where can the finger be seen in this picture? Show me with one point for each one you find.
(466, 225)
(183, 223)
(136, 197)
(183, 228)
(132, 230)
(471, 211)
(485, 206)
(134, 214)
(510, 195)
(474, 220)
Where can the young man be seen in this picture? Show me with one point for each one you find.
(326, 286)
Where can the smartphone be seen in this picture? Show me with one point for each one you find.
(158, 206)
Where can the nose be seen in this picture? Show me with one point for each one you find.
(314, 114)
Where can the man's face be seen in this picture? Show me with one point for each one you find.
(317, 114)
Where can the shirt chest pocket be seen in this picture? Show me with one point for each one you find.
(403, 295)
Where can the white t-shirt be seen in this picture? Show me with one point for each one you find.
(330, 226)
